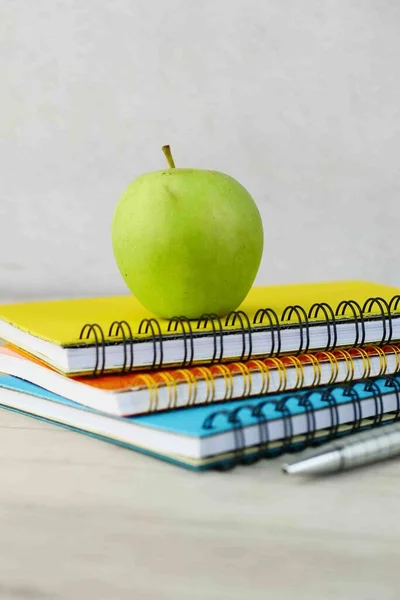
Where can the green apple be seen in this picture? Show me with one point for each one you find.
(187, 242)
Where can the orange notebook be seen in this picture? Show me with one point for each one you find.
(139, 393)
(93, 336)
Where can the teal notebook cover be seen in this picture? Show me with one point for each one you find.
(235, 416)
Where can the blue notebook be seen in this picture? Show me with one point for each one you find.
(221, 435)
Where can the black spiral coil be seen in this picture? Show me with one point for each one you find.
(94, 329)
(185, 329)
(264, 322)
(243, 455)
(217, 333)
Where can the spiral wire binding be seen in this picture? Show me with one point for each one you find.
(171, 387)
(247, 379)
(218, 334)
(99, 345)
(280, 406)
(366, 361)
(248, 371)
(191, 382)
(187, 334)
(228, 380)
(265, 375)
(152, 389)
(126, 332)
(383, 363)
(192, 378)
(237, 429)
(370, 385)
(334, 365)
(273, 321)
(385, 314)
(349, 362)
(282, 373)
(390, 381)
(396, 352)
(358, 318)
(304, 326)
(210, 383)
(244, 322)
(305, 402)
(300, 374)
(394, 304)
(316, 369)
(330, 321)
(240, 455)
(265, 321)
(156, 336)
(309, 438)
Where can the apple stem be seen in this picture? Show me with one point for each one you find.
(167, 152)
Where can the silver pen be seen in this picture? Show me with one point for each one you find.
(361, 449)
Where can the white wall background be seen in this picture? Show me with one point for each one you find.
(300, 101)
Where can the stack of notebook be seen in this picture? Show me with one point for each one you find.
(295, 365)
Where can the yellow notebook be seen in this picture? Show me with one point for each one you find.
(96, 335)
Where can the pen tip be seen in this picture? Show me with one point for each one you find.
(322, 462)
(290, 469)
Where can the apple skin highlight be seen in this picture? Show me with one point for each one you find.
(187, 242)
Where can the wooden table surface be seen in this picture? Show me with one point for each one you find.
(81, 518)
